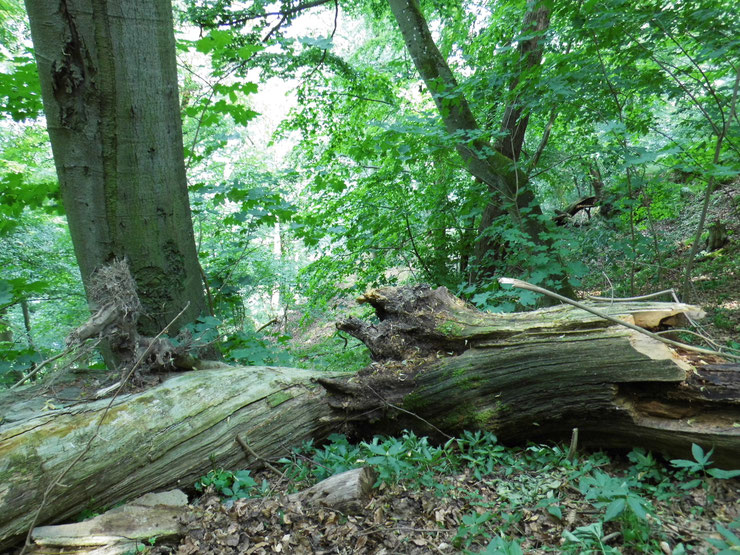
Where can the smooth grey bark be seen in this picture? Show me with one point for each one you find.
(506, 182)
(109, 85)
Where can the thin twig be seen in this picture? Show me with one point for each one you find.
(44, 363)
(573, 449)
(244, 445)
(409, 413)
(699, 335)
(271, 322)
(629, 299)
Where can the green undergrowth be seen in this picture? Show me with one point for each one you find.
(494, 499)
(335, 353)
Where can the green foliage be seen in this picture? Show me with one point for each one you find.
(250, 349)
(589, 538)
(616, 496)
(700, 465)
(729, 542)
(502, 546)
(473, 529)
(335, 354)
(525, 481)
(230, 485)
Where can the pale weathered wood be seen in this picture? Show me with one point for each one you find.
(167, 436)
(345, 492)
(159, 516)
(151, 515)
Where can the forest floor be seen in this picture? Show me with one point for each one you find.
(530, 500)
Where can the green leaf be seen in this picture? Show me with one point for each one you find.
(636, 504)
(614, 509)
(732, 538)
(683, 463)
(555, 511)
(699, 454)
(246, 52)
(714, 472)
(324, 43)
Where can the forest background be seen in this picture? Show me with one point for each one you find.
(322, 160)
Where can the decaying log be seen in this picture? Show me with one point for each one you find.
(440, 367)
(118, 530)
(164, 437)
(538, 375)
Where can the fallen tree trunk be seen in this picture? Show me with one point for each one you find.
(444, 367)
(167, 436)
(440, 367)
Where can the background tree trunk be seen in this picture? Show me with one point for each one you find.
(508, 185)
(109, 85)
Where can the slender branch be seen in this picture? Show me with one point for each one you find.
(401, 409)
(672, 292)
(416, 250)
(44, 363)
(543, 141)
(323, 54)
(358, 97)
(709, 86)
(708, 195)
(286, 13)
(249, 451)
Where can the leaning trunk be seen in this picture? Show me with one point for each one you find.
(109, 85)
(507, 183)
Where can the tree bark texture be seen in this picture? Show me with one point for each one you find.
(109, 85)
(537, 375)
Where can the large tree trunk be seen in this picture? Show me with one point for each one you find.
(109, 84)
(164, 437)
(440, 367)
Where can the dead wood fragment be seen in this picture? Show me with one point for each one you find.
(151, 515)
(161, 516)
(113, 292)
(346, 492)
